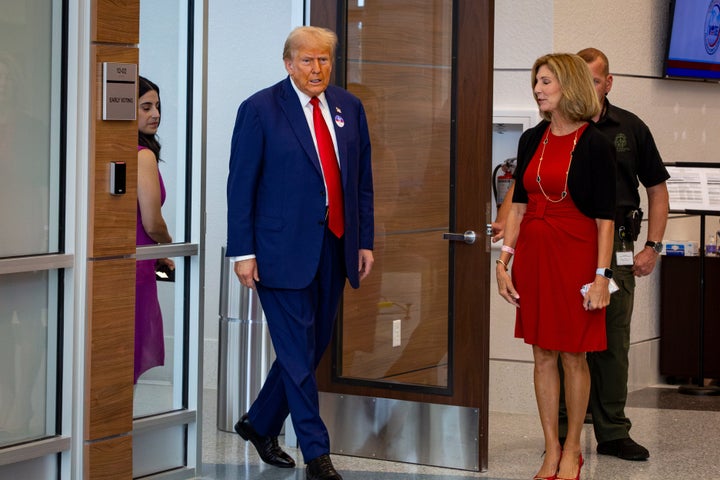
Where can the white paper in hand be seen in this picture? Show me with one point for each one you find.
(612, 286)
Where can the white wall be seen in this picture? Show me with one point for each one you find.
(633, 34)
(245, 42)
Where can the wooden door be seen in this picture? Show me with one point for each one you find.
(417, 330)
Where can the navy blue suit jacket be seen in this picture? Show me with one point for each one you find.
(276, 193)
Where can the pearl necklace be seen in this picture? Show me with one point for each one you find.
(563, 194)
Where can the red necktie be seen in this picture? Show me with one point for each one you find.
(331, 170)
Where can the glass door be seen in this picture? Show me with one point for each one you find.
(36, 264)
(163, 54)
(166, 397)
(414, 337)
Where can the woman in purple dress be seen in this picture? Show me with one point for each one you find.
(151, 229)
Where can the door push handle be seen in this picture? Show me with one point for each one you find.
(467, 237)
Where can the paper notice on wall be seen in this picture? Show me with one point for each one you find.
(694, 188)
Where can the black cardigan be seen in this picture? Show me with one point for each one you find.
(591, 181)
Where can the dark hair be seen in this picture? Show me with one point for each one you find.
(145, 140)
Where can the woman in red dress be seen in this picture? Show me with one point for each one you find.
(560, 229)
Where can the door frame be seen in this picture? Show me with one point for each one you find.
(471, 150)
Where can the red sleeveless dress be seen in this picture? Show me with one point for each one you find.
(556, 254)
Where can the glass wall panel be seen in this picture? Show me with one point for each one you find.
(166, 397)
(28, 124)
(395, 327)
(163, 60)
(30, 217)
(28, 335)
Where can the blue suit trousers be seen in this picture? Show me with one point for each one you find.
(301, 323)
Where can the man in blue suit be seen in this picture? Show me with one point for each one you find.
(297, 228)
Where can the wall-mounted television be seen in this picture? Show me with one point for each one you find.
(693, 41)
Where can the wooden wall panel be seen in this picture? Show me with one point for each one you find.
(109, 460)
(116, 21)
(110, 321)
(112, 217)
(110, 347)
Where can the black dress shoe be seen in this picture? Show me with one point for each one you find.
(321, 468)
(266, 446)
(625, 448)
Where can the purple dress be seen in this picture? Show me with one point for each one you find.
(149, 341)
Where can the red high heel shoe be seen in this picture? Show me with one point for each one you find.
(577, 477)
(551, 477)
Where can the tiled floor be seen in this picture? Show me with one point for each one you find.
(681, 431)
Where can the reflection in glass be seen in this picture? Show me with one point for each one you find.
(28, 327)
(402, 73)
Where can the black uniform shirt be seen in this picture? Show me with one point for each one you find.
(637, 155)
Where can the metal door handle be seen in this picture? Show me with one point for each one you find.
(467, 237)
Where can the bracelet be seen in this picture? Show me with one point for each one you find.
(500, 262)
(508, 249)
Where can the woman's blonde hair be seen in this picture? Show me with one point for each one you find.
(317, 37)
(579, 99)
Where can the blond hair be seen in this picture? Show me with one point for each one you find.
(316, 37)
(579, 100)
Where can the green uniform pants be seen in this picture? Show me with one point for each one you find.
(609, 368)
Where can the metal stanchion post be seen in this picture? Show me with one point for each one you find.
(245, 351)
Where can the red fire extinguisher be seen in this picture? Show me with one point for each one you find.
(503, 178)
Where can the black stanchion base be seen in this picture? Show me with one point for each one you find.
(698, 390)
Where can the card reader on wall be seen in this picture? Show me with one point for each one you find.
(117, 178)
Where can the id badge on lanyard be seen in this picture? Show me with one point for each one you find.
(624, 256)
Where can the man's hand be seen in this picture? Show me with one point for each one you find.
(498, 230)
(645, 262)
(498, 226)
(365, 262)
(658, 206)
(246, 271)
